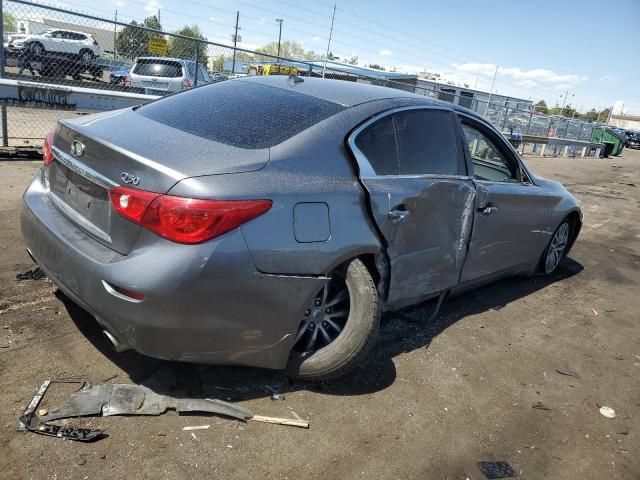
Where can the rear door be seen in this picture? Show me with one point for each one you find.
(412, 166)
(510, 209)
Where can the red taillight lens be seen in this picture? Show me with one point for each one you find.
(47, 155)
(126, 81)
(131, 203)
(185, 220)
(186, 84)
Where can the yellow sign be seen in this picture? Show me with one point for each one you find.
(158, 45)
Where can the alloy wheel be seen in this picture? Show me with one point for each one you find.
(556, 248)
(325, 318)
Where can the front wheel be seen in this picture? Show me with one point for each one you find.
(86, 56)
(36, 48)
(339, 328)
(557, 248)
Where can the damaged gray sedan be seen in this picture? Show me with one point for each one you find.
(268, 221)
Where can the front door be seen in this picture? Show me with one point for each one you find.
(412, 166)
(507, 228)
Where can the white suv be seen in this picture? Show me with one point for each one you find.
(58, 41)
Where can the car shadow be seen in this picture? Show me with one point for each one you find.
(400, 332)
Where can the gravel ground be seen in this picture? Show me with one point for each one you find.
(482, 383)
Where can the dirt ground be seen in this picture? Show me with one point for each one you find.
(482, 383)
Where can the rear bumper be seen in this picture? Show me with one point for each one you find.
(202, 303)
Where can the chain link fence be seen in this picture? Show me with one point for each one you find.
(51, 45)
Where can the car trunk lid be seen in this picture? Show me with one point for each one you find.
(99, 152)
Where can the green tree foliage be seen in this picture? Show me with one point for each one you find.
(541, 107)
(375, 66)
(353, 60)
(288, 49)
(183, 48)
(8, 22)
(133, 42)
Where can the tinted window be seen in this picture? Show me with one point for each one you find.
(488, 161)
(426, 142)
(240, 113)
(158, 68)
(378, 144)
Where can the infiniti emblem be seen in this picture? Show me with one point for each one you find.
(77, 148)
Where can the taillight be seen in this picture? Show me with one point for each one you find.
(184, 220)
(126, 81)
(47, 155)
(186, 84)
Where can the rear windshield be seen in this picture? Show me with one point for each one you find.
(158, 68)
(240, 113)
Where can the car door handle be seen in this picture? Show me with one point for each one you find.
(397, 214)
(488, 209)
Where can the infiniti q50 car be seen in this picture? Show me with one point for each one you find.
(267, 221)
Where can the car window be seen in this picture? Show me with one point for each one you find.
(204, 76)
(79, 36)
(240, 113)
(378, 144)
(426, 142)
(489, 163)
(57, 34)
(158, 68)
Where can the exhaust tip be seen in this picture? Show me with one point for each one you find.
(117, 346)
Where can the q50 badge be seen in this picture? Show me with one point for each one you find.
(128, 178)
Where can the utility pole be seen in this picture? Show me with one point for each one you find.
(279, 20)
(333, 17)
(235, 43)
(115, 32)
(491, 91)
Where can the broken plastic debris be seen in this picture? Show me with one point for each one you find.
(196, 427)
(595, 312)
(607, 412)
(34, 274)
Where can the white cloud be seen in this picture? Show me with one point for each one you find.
(386, 52)
(215, 19)
(532, 75)
(606, 78)
(261, 21)
(317, 39)
(527, 83)
(152, 6)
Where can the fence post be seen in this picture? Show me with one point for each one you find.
(195, 75)
(504, 119)
(3, 113)
(529, 123)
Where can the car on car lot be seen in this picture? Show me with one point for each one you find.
(162, 75)
(268, 221)
(58, 41)
(632, 140)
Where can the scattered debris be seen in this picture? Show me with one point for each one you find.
(281, 421)
(194, 437)
(540, 406)
(196, 427)
(111, 377)
(567, 372)
(121, 399)
(494, 470)
(34, 274)
(607, 412)
(275, 393)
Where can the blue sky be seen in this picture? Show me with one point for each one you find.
(543, 48)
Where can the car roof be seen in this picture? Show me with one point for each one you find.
(342, 92)
(167, 59)
(53, 29)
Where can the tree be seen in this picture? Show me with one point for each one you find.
(133, 41)
(541, 107)
(217, 63)
(183, 48)
(288, 49)
(375, 66)
(353, 60)
(8, 22)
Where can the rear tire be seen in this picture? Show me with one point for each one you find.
(357, 336)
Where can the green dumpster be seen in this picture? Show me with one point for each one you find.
(612, 140)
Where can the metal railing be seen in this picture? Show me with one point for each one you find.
(87, 51)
